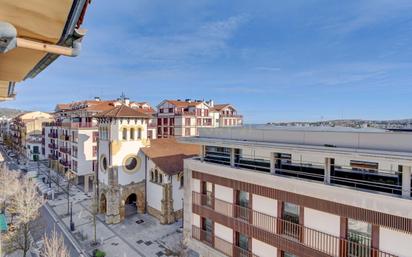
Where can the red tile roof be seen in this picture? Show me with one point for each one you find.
(123, 111)
(168, 154)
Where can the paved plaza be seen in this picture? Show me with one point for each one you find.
(138, 235)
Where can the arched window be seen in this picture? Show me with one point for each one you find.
(156, 176)
(160, 178)
(124, 134)
(181, 181)
(151, 176)
(132, 130)
(139, 133)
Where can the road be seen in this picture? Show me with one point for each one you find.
(45, 219)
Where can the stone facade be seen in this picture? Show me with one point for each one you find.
(112, 200)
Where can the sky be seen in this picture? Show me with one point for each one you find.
(273, 60)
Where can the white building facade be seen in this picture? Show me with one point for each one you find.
(299, 192)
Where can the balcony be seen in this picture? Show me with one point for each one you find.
(232, 115)
(52, 146)
(219, 244)
(52, 135)
(295, 233)
(183, 113)
(53, 157)
(377, 181)
(65, 150)
(79, 124)
(65, 163)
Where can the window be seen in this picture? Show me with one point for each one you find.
(172, 132)
(286, 254)
(94, 165)
(161, 110)
(243, 243)
(207, 227)
(124, 134)
(165, 121)
(208, 193)
(199, 121)
(364, 166)
(95, 136)
(206, 112)
(170, 110)
(360, 233)
(187, 121)
(160, 178)
(181, 181)
(35, 149)
(151, 176)
(291, 215)
(132, 133)
(131, 163)
(172, 121)
(159, 121)
(149, 134)
(187, 131)
(243, 205)
(159, 131)
(94, 151)
(104, 163)
(139, 133)
(156, 176)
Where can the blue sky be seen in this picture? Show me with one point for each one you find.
(274, 60)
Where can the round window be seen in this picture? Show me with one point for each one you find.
(131, 163)
(103, 163)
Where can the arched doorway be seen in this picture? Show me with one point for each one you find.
(103, 204)
(130, 205)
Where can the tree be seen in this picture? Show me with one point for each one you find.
(26, 204)
(54, 246)
(9, 185)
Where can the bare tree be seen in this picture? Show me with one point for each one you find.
(9, 185)
(26, 204)
(54, 246)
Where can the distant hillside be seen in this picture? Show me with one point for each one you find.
(355, 123)
(10, 113)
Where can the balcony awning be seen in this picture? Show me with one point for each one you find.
(3, 223)
(40, 21)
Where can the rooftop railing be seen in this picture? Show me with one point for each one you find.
(373, 180)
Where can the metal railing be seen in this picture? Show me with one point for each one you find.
(220, 244)
(381, 181)
(320, 241)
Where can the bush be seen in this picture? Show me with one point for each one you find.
(98, 253)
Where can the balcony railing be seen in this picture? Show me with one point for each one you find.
(53, 157)
(219, 244)
(52, 146)
(320, 241)
(52, 135)
(79, 124)
(183, 113)
(66, 150)
(65, 163)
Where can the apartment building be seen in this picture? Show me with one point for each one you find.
(25, 127)
(184, 118)
(264, 191)
(71, 141)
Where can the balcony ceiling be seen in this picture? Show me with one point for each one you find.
(43, 21)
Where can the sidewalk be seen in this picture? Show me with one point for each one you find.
(139, 235)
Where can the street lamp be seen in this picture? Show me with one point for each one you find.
(72, 228)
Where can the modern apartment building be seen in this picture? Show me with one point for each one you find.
(184, 118)
(265, 191)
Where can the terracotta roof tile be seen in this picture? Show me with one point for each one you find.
(168, 154)
(123, 111)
